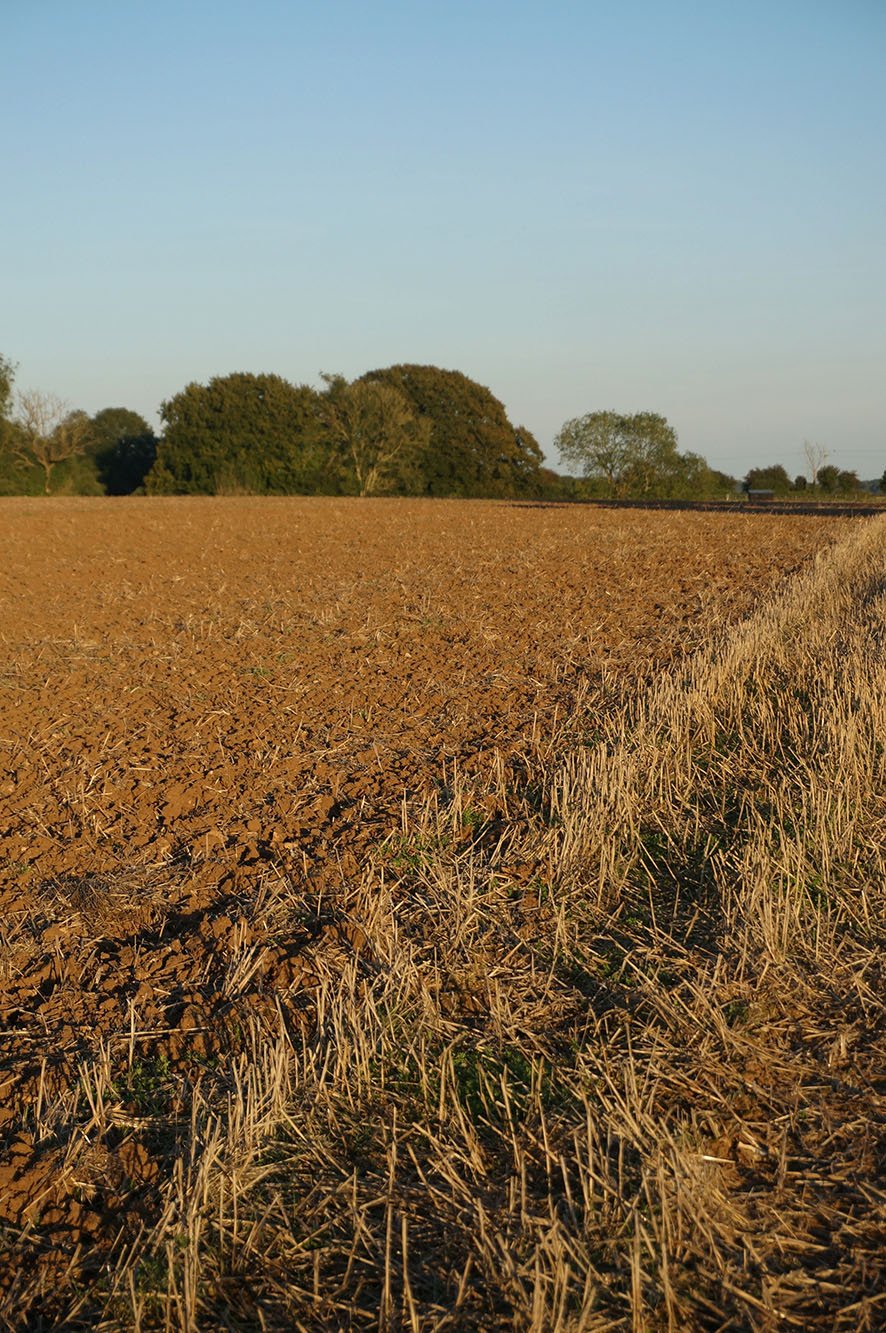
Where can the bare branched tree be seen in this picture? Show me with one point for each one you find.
(48, 432)
(375, 428)
(816, 456)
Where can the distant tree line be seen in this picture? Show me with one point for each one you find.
(403, 430)
(406, 430)
(48, 448)
(636, 457)
(829, 482)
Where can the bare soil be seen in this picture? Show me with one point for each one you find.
(198, 696)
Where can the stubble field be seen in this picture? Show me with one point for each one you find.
(307, 924)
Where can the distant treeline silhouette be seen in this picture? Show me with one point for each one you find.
(403, 430)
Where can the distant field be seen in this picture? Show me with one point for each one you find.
(257, 679)
(245, 746)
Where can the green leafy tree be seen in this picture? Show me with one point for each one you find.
(834, 481)
(596, 446)
(242, 433)
(555, 486)
(655, 467)
(472, 449)
(773, 478)
(7, 460)
(689, 477)
(722, 484)
(376, 432)
(7, 379)
(634, 456)
(123, 448)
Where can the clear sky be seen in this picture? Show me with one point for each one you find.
(666, 205)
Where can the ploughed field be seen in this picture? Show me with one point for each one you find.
(202, 699)
(214, 687)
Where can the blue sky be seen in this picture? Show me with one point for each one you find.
(666, 205)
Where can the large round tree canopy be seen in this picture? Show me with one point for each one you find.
(473, 448)
(241, 431)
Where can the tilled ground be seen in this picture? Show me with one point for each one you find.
(202, 698)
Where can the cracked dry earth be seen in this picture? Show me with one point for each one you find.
(201, 699)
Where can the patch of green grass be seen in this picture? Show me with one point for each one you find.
(19, 869)
(480, 1076)
(736, 1012)
(147, 1086)
(405, 852)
